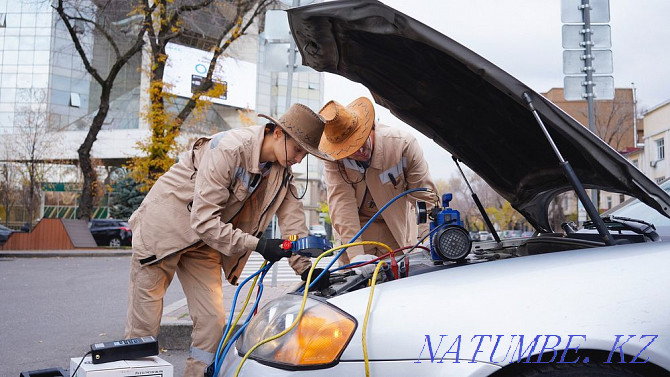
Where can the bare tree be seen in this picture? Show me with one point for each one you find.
(9, 183)
(614, 119)
(33, 146)
(615, 123)
(81, 19)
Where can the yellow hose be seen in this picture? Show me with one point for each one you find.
(246, 302)
(367, 315)
(304, 301)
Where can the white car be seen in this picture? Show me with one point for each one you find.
(561, 303)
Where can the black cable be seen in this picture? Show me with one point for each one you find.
(422, 239)
(286, 171)
(345, 176)
(74, 374)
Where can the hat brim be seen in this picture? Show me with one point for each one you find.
(306, 146)
(364, 110)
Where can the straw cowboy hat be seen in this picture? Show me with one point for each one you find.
(347, 128)
(304, 126)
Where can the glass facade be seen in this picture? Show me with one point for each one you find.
(39, 67)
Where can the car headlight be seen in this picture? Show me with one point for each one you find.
(317, 340)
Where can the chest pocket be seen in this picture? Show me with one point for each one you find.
(245, 184)
(394, 175)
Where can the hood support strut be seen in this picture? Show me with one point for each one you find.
(487, 220)
(573, 179)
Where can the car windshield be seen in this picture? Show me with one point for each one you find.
(635, 209)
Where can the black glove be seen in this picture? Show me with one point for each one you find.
(270, 249)
(320, 285)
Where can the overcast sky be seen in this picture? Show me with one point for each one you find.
(523, 37)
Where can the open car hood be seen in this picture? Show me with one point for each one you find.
(467, 105)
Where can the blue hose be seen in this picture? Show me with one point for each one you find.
(373, 218)
(242, 327)
(262, 271)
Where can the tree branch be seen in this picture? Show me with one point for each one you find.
(188, 8)
(238, 31)
(102, 30)
(77, 43)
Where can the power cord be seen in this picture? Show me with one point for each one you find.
(74, 374)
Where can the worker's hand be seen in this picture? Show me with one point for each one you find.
(270, 249)
(366, 270)
(322, 283)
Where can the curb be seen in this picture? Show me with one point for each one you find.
(175, 335)
(65, 253)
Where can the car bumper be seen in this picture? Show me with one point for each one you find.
(425, 368)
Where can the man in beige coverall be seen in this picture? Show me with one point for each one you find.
(206, 213)
(374, 164)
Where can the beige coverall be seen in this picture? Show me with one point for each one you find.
(201, 216)
(355, 193)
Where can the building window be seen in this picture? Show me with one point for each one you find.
(79, 27)
(609, 202)
(622, 197)
(75, 100)
(3, 19)
(660, 179)
(660, 149)
(635, 163)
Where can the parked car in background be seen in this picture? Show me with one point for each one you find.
(4, 234)
(111, 232)
(485, 235)
(511, 233)
(318, 230)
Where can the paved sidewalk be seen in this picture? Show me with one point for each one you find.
(176, 325)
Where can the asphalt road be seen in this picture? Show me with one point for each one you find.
(52, 309)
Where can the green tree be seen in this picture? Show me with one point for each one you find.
(323, 208)
(127, 197)
(505, 216)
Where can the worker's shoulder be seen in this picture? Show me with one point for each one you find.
(394, 133)
(236, 139)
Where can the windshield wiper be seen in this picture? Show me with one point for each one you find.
(618, 223)
(574, 180)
